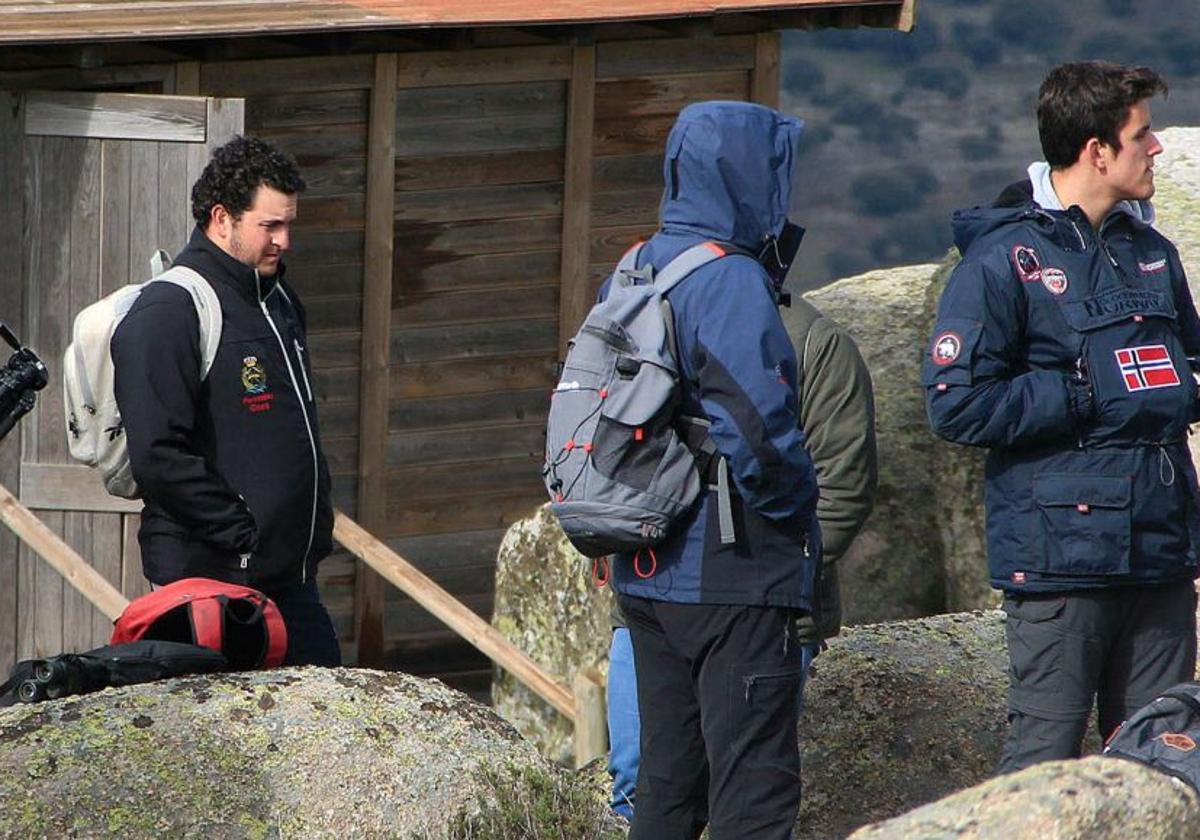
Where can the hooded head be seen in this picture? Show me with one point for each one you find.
(728, 172)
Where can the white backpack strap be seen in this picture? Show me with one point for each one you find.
(627, 271)
(160, 261)
(208, 311)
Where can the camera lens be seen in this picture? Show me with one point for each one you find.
(29, 692)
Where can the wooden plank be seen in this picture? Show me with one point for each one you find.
(472, 67)
(442, 446)
(474, 375)
(334, 281)
(116, 166)
(474, 203)
(647, 95)
(429, 106)
(375, 353)
(147, 77)
(106, 557)
(633, 206)
(336, 212)
(628, 137)
(187, 79)
(457, 341)
(422, 240)
(441, 271)
(125, 116)
(224, 119)
(621, 172)
(469, 135)
(311, 108)
(64, 161)
(27, 566)
(316, 144)
(625, 59)
(577, 195)
(516, 166)
(133, 582)
(315, 250)
(907, 17)
(56, 486)
(335, 176)
(496, 408)
(175, 221)
(12, 313)
(77, 612)
(516, 302)
(487, 475)
(143, 205)
(31, 258)
(764, 78)
(48, 598)
(333, 314)
(609, 243)
(472, 511)
(287, 75)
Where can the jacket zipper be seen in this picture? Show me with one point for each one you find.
(312, 442)
(303, 370)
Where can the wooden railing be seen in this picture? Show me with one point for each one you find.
(584, 707)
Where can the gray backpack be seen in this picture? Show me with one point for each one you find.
(618, 468)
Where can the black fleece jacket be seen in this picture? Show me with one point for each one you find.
(232, 464)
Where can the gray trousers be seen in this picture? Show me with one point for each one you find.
(1118, 648)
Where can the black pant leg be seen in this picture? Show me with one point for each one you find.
(311, 637)
(672, 777)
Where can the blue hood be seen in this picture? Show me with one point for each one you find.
(969, 225)
(728, 172)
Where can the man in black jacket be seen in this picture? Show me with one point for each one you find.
(230, 465)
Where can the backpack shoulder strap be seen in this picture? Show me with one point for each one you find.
(208, 310)
(685, 263)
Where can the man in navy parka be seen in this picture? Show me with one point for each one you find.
(714, 628)
(1063, 343)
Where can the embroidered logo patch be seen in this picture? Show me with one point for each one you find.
(1143, 368)
(254, 378)
(1054, 279)
(1029, 267)
(1178, 741)
(1151, 267)
(946, 348)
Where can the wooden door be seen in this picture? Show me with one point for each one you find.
(93, 183)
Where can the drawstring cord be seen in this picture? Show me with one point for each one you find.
(1166, 467)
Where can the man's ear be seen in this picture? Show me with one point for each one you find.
(220, 222)
(1097, 153)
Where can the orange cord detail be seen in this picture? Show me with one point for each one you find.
(639, 434)
(637, 563)
(601, 571)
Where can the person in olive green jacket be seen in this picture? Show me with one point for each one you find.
(837, 413)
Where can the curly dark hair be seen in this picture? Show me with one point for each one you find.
(236, 170)
(1089, 99)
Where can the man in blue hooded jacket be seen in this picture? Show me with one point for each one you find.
(714, 627)
(1063, 343)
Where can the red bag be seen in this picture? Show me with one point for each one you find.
(238, 621)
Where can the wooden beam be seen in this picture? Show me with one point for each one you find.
(123, 116)
(461, 620)
(187, 80)
(69, 487)
(376, 343)
(908, 16)
(577, 195)
(74, 569)
(591, 719)
(764, 78)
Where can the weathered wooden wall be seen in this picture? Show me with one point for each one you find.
(439, 308)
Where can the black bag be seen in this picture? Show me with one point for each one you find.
(1164, 734)
(34, 680)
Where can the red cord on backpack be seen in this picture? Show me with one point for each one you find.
(601, 571)
(637, 567)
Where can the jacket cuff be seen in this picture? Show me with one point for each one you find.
(1080, 401)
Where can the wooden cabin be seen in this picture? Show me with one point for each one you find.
(474, 170)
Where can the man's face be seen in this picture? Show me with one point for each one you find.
(1130, 171)
(263, 232)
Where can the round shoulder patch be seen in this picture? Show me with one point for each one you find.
(946, 348)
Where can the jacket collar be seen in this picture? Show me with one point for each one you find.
(205, 256)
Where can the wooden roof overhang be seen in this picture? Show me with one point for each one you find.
(100, 32)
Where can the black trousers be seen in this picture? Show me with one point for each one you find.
(717, 696)
(1118, 647)
(311, 637)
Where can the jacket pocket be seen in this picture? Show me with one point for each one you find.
(1085, 522)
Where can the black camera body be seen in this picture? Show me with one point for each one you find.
(20, 380)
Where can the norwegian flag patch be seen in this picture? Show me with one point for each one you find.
(1143, 368)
